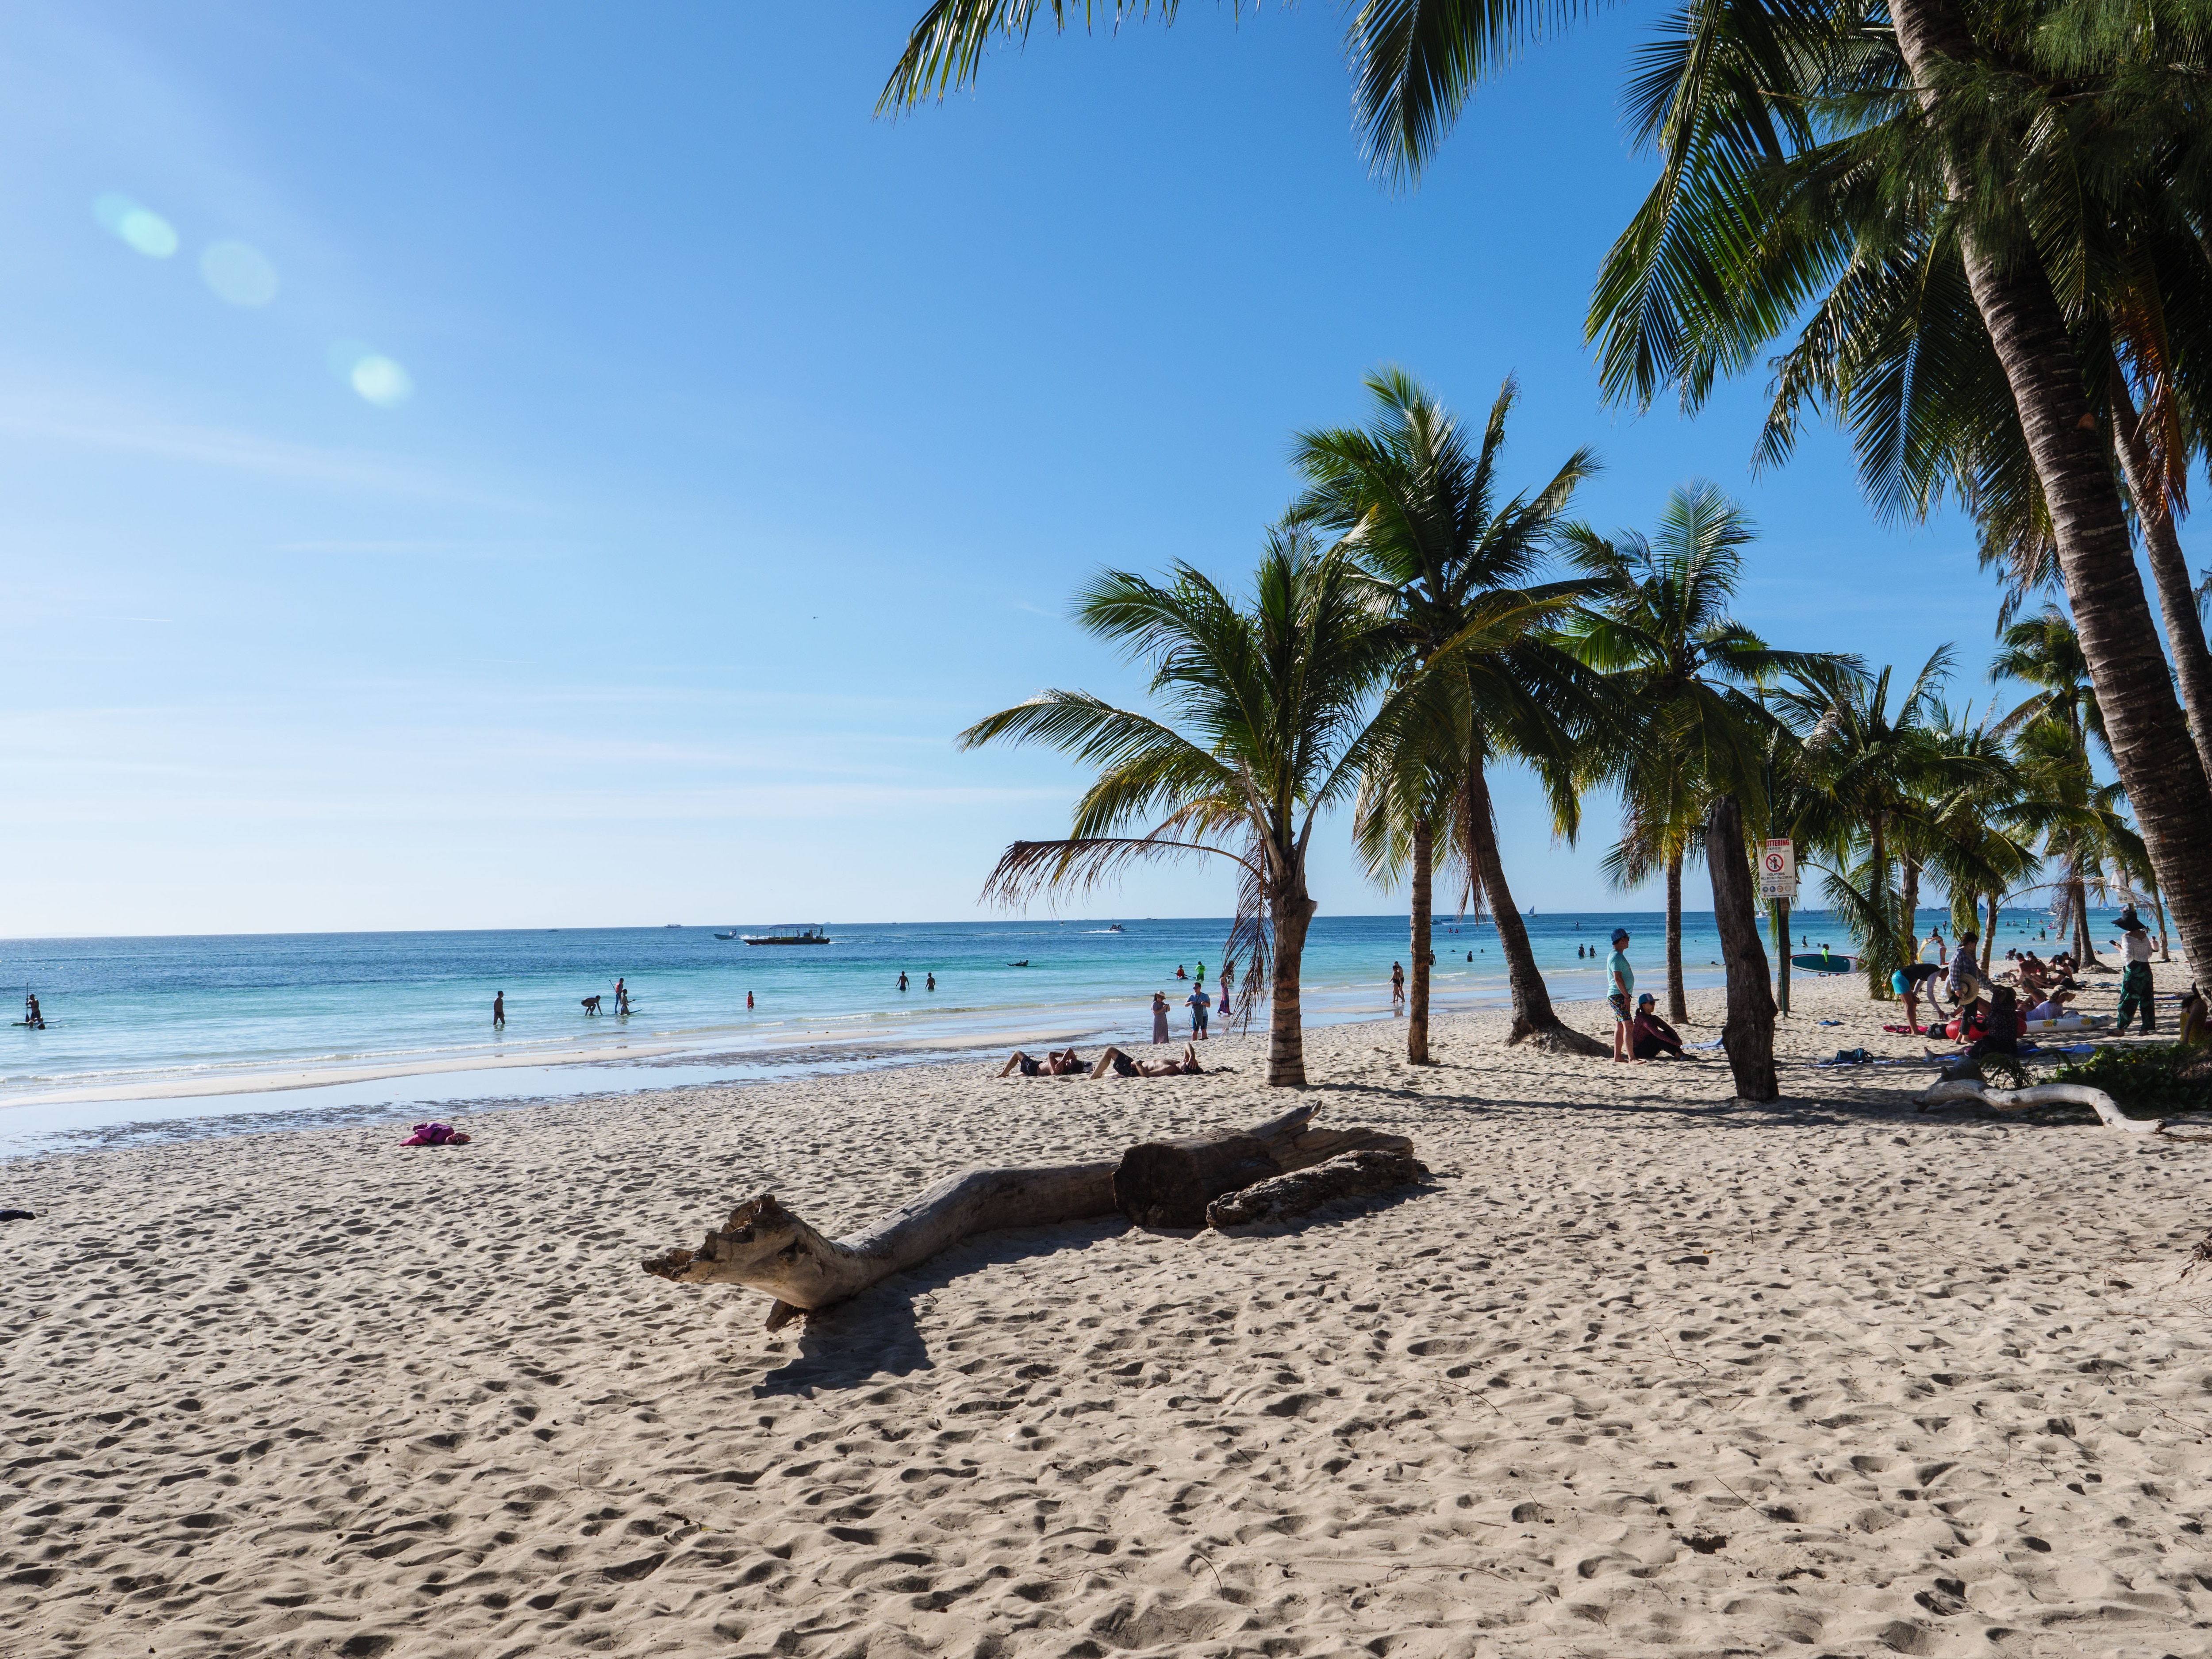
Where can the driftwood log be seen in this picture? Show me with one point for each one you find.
(1963, 1092)
(1353, 1175)
(765, 1246)
(1168, 1183)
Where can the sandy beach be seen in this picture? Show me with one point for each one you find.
(1641, 1370)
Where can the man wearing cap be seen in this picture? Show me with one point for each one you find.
(2134, 978)
(1621, 978)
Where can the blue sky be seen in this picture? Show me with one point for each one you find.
(750, 446)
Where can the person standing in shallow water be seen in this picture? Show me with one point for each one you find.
(901, 979)
(499, 1011)
(1397, 987)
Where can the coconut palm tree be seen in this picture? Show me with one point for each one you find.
(1267, 720)
(1419, 508)
(1884, 766)
(2053, 729)
(1658, 626)
(2045, 652)
(1898, 188)
(1939, 123)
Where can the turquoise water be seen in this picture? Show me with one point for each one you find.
(171, 1019)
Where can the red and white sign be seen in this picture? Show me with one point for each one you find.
(1777, 870)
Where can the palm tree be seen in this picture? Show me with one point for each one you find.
(1937, 126)
(1797, 807)
(1266, 724)
(1658, 626)
(2052, 729)
(1885, 767)
(1420, 510)
(1896, 187)
(1978, 838)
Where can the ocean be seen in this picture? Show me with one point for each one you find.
(180, 1034)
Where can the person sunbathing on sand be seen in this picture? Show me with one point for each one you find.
(1124, 1067)
(1057, 1062)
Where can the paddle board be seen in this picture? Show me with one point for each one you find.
(1828, 964)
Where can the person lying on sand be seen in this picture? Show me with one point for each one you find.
(1057, 1062)
(1124, 1067)
(2053, 1006)
(1652, 1038)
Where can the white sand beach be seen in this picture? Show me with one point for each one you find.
(1642, 1372)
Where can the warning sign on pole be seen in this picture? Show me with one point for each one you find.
(1777, 870)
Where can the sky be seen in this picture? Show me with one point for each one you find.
(514, 465)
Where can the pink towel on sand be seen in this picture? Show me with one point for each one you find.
(435, 1134)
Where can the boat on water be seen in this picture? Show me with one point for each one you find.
(1116, 928)
(733, 933)
(789, 935)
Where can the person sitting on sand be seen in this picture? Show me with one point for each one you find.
(2053, 1006)
(1652, 1038)
(1999, 1032)
(1057, 1062)
(1123, 1065)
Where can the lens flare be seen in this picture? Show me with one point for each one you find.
(137, 227)
(238, 273)
(370, 373)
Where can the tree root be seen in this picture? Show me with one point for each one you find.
(1557, 1039)
(2042, 1094)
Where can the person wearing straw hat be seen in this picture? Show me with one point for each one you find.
(2134, 978)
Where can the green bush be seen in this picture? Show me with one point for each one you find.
(2148, 1081)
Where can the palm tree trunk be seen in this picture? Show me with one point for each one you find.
(1286, 1037)
(2169, 569)
(1908, 932)
(2151, 744)
(1678, 1004)
(1989, 936)
(1749, 1033)
(1877, 971)
(1782, 960)
(1533, 1019)
(1417, 1007)
(2084, 948)
(2165, 954)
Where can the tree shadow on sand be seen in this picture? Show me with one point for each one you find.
(877, 1334)
(1848, 1099)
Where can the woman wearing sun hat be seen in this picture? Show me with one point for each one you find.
(1621, 979)
(2134, 978)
